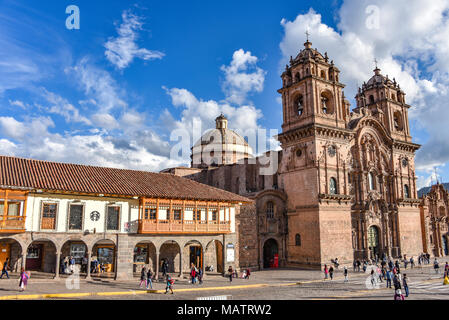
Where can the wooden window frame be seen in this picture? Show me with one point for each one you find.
(43, 203)
(119, 220)
(70, 204)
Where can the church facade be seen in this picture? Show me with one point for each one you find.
(345, 186)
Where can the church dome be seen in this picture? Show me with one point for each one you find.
(220, 146)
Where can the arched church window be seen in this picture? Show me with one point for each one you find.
(371, 181)
(323, 74)
(406, 191)
(307, 70)
(297, 77)
(371, 99)
(324, 102)
(297, 240)
(397, 121)
(299, 103)
(333, 186)
(336, 78)
(330, 75)
(270, 209)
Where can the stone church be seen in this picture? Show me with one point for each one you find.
(345, 186)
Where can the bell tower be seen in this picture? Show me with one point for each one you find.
(311, 91)
(384, 97)
(314, 168)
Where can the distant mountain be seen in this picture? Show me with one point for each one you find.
(425, 190)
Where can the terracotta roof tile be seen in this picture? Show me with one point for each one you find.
(55, 176)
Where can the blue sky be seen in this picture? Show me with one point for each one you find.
(112, 92)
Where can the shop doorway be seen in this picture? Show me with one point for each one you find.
(270, 253)
(41, 256)
(196, 256)
(103, 257)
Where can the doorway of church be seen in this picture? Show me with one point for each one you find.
(373, 242)
(445, 245)
(270, 254)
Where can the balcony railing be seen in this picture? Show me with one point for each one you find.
(12, 223)
(186, 226)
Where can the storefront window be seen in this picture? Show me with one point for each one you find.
(113, 218)
(33, 253)
(106, 255)
(140, 254)
(77, 251)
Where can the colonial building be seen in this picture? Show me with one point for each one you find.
(345, 185)
(122, 218)
(435, 221)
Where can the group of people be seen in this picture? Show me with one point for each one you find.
(146, 277)
(23, 278)
(196, 274)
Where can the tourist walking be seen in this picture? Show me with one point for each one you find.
(345, 273)
(24, 276)
(231, 272)
(84, 264)
(365, 265)
(373, 279)
(388, 276)
(405, 284)
(248, 273)
(379, 274)
(192, 273)
(164, 267)
(358, 265)
(326, 272)
(5, 269)
(149, 278)
(412, 262)
(436, 265)
(398, 295)
(72, 264)
(143, 276)
(331, 272)
(200, 276)
(169, 281)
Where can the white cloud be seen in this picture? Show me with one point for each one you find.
(98, 85)
(238, 82)
(17, 103)
(61, 106)
(122, 50)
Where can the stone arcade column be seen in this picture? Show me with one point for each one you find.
(124, 258)
(157, 265)
(89, 256)
(58, 263)
(204, 260)
(180, 263)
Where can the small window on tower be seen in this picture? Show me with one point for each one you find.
(406, 192)
(297, 77)
(397, 121)
(324, 101)
(333, 186)
(371, 99)
(323, 74)
(299, 105)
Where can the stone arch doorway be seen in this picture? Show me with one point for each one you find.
(144, 255)
(445, 245)
(270, 253)
(194, 251)
(11, 249)
(373, 242)
(41, 256)
(214, 256)
(170, 254)
(78, 250)
(103, 258)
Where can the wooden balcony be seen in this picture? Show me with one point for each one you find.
(186, 226)
(12, 224)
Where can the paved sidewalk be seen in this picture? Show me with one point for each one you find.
(275, 278)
